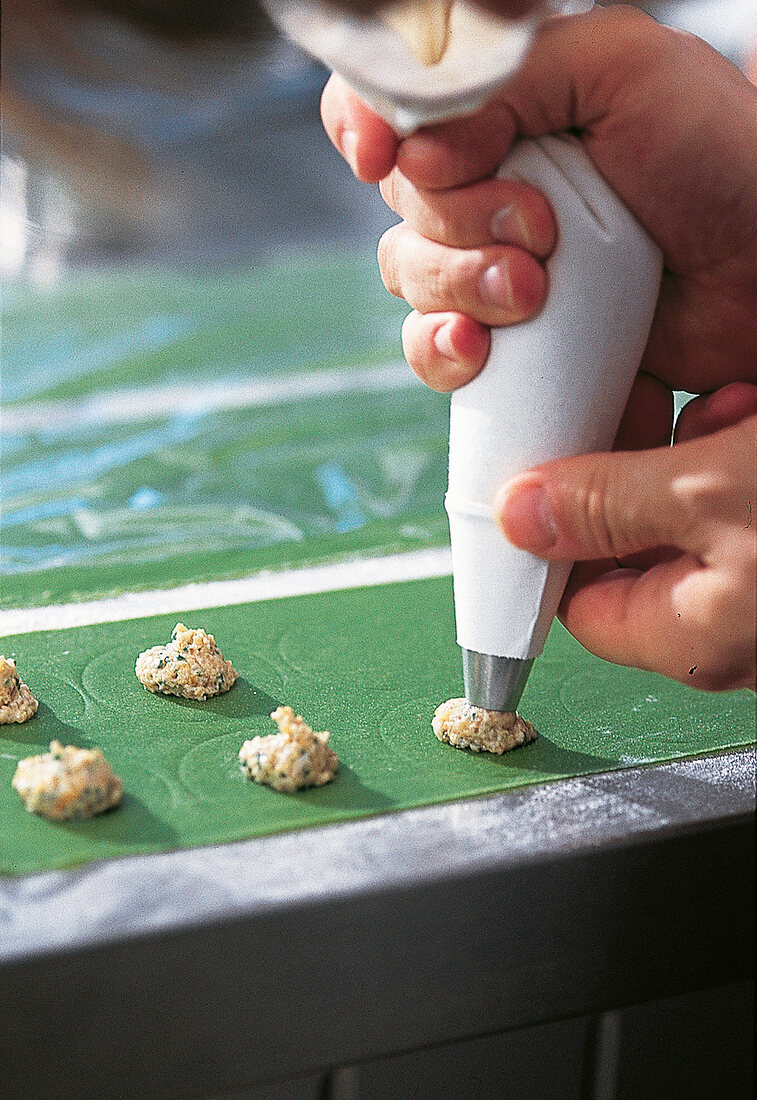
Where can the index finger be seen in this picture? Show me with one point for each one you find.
(367, 143)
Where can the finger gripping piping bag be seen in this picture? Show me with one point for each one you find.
(553, 386)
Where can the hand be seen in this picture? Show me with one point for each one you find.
(676, 521)
(670, 124)
(666, 540)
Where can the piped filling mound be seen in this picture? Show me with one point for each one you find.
(16, 700)
(67, 783)
(190, 666)
(291, 759)
(468, 727)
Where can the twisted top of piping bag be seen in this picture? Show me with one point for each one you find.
(450, 72)
(423, 24)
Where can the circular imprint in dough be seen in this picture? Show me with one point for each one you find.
(151, 795)
(211, 770)
(316, 656)
(400, 729)
(603, 691)
(615, 708)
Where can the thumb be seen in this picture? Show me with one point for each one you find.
(609, 505)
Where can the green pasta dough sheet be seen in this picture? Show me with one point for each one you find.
(368, 664)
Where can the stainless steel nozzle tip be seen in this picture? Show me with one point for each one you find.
(494, 683)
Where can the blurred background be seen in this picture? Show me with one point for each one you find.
(141, 140)
(201, 371)
(154, 131)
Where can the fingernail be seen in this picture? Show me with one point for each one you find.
(496, 286)
(527, 519)
(348, 145)
(443, 342)
(509, 226)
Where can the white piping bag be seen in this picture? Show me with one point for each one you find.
(553, 386)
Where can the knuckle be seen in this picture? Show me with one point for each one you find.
(436, 224)
(410, 337)
(431, 215)
(695, 495)
(459, 280)
(628, 26)
(388, 261)
(429, 275)
(450, 218)
(390, 191)
(640, 34)
(597, 516)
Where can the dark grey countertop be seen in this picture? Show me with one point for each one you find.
(145, 895)
(383, 934)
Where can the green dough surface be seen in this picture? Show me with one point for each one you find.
(368, 664)
(351, 464)
(180, 493)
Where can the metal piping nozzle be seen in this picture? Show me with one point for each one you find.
(494, 683)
